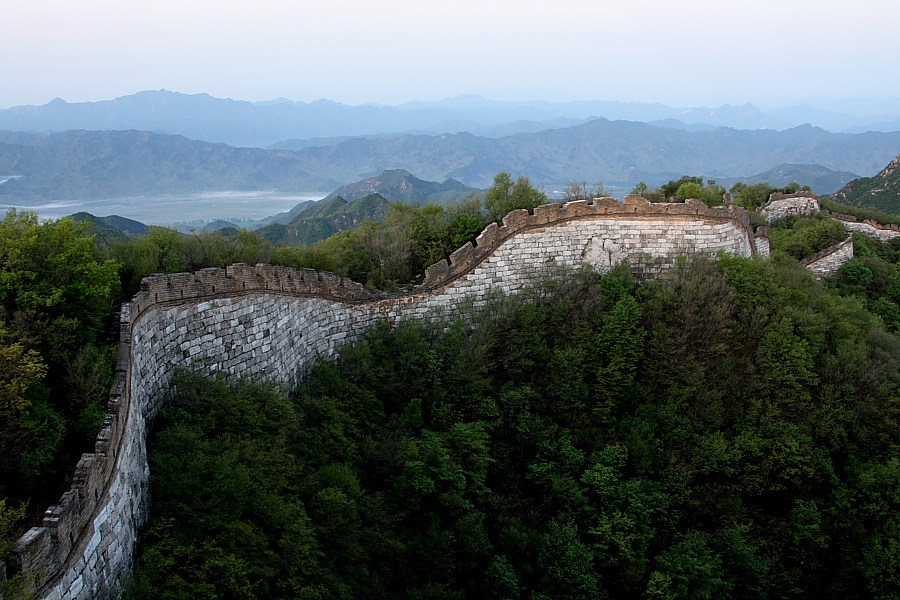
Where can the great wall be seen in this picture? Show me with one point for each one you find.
(267, 323)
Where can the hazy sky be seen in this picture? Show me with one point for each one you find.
(676, 52)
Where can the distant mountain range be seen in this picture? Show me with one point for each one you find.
(103, 164)
(323, 122)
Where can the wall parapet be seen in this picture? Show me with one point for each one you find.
(54, 548)
(830, 260)
(462, 260)
(868, 227)
(240, 278)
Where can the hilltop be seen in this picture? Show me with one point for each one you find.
(819, 178)
(400, 184)
(324, 219)
(112, 226)
(353, 203)
(881, 191)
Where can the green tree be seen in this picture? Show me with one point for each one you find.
(619, 347)
(505, 196)
(18, 370)
(668, 190)
(640, 188)
(786, 366)
(689, 190)
(51, 275)
(568, 566)
(578, 190)
(751, 196)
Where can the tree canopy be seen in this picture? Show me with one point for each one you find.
(505, 196)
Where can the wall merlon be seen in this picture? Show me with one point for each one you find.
(462, 257)
(489, 235)
(102, 444)
(436, 272)
(517, 220)
(575, 209)
(83, 471)
(545, 213)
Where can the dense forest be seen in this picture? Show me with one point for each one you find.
(729, 432)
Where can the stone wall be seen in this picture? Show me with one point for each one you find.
(637, 231)
(763, 245)
(781, 206)
(268, 323)
(869, 228)
(829, 261)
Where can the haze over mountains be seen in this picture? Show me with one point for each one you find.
(96, 164)
(165, 143)
(241, 123)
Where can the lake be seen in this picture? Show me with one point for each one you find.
(197, 209)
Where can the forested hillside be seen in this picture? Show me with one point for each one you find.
(881, 191)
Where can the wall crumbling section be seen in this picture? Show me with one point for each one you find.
(268, 323)
(781, 206)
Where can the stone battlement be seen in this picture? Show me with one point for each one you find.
(240, 279)
(548, 215)
(268, 323)
(868, 227)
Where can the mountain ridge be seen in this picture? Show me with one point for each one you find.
(243, 123)
(90, 164)
(881, 191)
(401, 185)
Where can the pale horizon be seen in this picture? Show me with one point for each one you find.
(688, 54)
